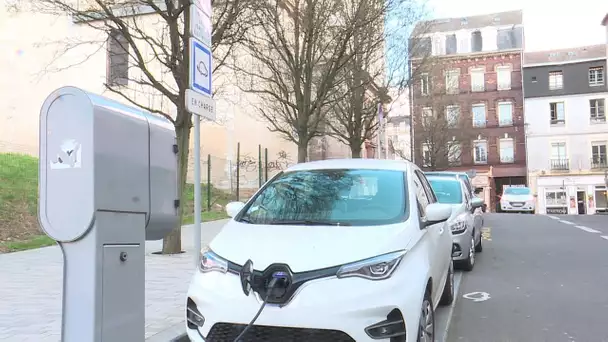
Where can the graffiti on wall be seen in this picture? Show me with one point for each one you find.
(280, 162)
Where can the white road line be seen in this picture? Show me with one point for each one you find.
(553, 217)
(604, 237)
(587, 229)
(457, 280)
(567, 222)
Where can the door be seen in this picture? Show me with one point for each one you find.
(581, 203)
(440, 241)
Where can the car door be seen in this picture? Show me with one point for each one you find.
(436, 233)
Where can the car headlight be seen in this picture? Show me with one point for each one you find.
(211, 262)
(376, 268)
(458, 225)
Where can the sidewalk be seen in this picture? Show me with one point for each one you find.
(31, 289)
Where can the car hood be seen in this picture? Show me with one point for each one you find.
(306, 248)
(517, 198)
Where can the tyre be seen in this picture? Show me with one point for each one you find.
(426, 326)
(447, 297)
(468, 264)
(478, 246)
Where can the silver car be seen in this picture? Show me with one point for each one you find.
(464, 222)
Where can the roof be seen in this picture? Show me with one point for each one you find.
(573, 54)
(605, 20)
(353, 163)
(472, 22)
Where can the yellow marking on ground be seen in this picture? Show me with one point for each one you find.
(486, 233)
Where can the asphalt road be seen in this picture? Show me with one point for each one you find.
(539, 278)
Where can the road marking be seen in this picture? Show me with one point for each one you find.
(605, 237)
(553, 217)
(477, 296)
(587, 229)
(567, 222)
(457, 279)
(486, 233)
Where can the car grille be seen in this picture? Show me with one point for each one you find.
(227, 332)
(517, 204)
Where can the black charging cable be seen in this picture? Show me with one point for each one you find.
(273, 282)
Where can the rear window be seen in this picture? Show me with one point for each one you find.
(447, 191)
(330, 197)
(517, 191)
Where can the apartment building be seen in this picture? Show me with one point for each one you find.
(469, 74)
(567, 132)
(398, 126)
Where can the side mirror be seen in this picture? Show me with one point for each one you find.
(437, 213)
(233, 208)
(476, 203)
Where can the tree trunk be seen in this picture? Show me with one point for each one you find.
(302, 151)
(172, 243)
(355, 150)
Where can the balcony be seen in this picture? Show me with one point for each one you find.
(503, 86)
(558, 121)
(599, 163)
(478, 88)
(507, 159)
(560, 164)
(479, 123)
(505, 122)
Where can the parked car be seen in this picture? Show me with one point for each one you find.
(517, 199)
(465, 223)
(462, 176)
(334, 250)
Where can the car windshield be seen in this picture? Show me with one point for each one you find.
(330, 197)
(447, 191)
(517, 191)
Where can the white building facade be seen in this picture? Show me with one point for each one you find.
(566, 129)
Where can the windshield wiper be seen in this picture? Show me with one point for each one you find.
(308, 223)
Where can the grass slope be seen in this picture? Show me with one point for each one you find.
(19, 229)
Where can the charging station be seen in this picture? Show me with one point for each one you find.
(107, 183)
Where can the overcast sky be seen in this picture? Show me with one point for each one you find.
(548, 24)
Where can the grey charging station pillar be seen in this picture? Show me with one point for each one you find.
(107, 183)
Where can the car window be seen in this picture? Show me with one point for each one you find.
(517, 191)
(331, 197)
(421, 195)
(427, 187)
(467, 182)
(448, 191)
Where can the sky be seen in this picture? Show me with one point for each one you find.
(547, 24)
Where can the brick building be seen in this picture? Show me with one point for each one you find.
(467, 100)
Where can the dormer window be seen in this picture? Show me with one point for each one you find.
(476, 41)
(464, 21)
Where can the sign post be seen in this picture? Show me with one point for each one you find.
(199, 96)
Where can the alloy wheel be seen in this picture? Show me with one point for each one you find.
(472, 251)
(427, 322)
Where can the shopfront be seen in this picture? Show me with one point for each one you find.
(573, 195)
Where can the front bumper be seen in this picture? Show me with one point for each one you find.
(461, 245)
(330, 309)
(509, 207)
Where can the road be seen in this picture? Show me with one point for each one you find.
(546, 278)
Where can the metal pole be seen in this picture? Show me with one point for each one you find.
(238, 169)
(260, 165)
(197, 188)
(208, 182)
(266, 164)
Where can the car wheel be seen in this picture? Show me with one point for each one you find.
(447, 297)
(426, 326)
(478, 246)
(469, 262)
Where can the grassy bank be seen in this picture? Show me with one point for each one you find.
(19, 229)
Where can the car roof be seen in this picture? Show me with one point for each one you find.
(353, 163)
(450, 173)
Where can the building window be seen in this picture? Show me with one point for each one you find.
(451, 45)
(507, 153)
(427, 116)
(505, 39)
(559, 160)
(558, 115)
(480, 152)
(451, 81)
(505, 114)
(426, 155)
(503, 77)
(477, 79)
(479, 115)
(438, 46)
(596, 76)
(601, 199)
(425, 87)
(454, 153)
(476, 41)
(556, 201)
(598, 110)
(464, 43)
(117, 73)
(556, 80)
(598, 155)
(452, 114)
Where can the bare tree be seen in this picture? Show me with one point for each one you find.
(380, 60)
(150, 39)
(298, 50)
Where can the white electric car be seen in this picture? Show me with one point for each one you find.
(335, 250)
(517, 199)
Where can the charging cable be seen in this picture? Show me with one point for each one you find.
(273, 282)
